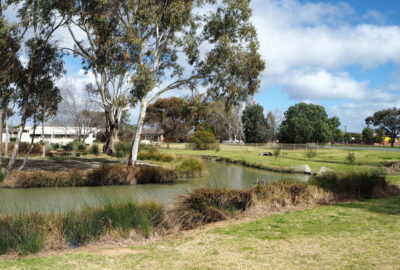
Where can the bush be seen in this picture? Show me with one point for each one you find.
(81, 147)
(351, 157)
(69, 146)
(151, 174)
(203, 140)
(55, 146)
(95, 150)
(277, 152)
(205, 205)
(353, 185)
(311, 153)
(1, 175)
(24, 147)
(190, 167)
(123, 149)
(155, 156)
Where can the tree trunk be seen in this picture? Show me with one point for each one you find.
(139, 128)
(7, 136)
(43, 142)
(1, 135)
(111, 135)
(16, 146)
(29, 149)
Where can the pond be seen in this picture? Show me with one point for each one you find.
(219, 175)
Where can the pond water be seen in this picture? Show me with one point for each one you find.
(219, 175)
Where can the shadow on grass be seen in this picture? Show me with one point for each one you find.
(389, 206)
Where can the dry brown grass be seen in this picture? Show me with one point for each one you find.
(106, 175)
(206, 205)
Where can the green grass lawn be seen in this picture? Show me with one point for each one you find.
(332, 158)
(357, 235)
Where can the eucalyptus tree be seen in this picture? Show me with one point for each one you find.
(8, 63)
(388, 120)
(44, 61)
(97, 38)
(44, 105)
(187, 44)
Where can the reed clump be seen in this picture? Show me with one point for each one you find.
(190, 168)
(21, 233)
(355, 185)
(152, 174)
(103, 176)
(206, 205)
(156, 156)
(29, 233)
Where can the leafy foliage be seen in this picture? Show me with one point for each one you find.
(308, 123)
(368, 135)
(203, 140)
(254, 124)
(388, 120)
(174, 116)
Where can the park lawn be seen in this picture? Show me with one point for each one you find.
(331, 158)
(356, 235)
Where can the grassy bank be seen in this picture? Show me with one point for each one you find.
(35, 231)
(331, 158)
(365, 236)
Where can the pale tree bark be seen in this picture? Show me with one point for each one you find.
(43, 142)
(14, 154)
(30, 147)
(7, 136)
(139, 129)
(1, 134)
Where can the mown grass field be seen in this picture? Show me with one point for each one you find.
(356, 235)
(331, 158)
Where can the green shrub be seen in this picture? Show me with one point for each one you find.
(1, 175)
(69, 146)
(311, 153)
(95, 150)
(190, 167)
(55, 146)
(351, 157)
(123, 149)
(204, 140)
(277, 152)
(81, 147)
(353, 185)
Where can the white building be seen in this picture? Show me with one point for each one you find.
(52, 135)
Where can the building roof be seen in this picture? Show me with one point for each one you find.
(56, 130)
(152, 131)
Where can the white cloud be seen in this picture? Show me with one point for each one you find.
(297, 37)
(320, 84)
(353, 114)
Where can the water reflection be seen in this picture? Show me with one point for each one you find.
(219, 175)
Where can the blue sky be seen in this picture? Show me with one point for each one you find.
(344, 55)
